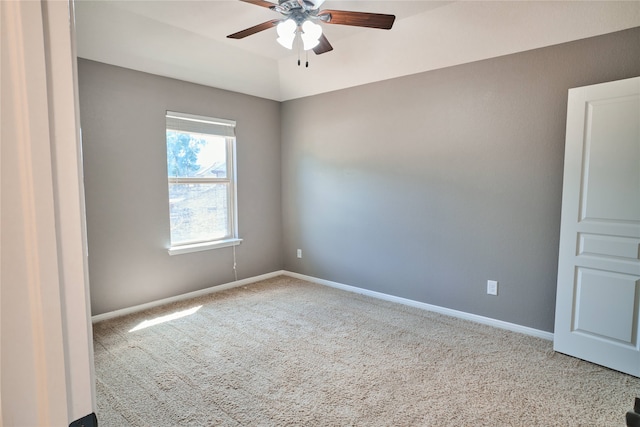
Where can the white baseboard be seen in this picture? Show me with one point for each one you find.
(189, 295)
(379, 295)
(429, 307)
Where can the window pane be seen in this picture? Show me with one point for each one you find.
(196, 155)
(198, 212)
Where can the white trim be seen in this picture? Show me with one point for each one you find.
(429, 307)
(182, 297)
(378, 295)
(197, 247)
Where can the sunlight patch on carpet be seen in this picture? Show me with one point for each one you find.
(166, 318)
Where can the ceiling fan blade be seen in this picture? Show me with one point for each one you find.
(358, 19)
(262, 3)
(255, 29)
(323, 47)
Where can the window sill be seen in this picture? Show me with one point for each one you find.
(178, 250)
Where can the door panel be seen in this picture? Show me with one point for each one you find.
(608, 166)
(605, 304)
(598, 295)
(624, 248)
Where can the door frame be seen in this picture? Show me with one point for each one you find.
(46, 353)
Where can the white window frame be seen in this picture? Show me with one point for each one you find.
(225, 128)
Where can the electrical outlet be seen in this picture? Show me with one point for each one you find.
(299, 253)
(492, 287)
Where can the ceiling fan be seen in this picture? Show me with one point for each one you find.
(301, 18)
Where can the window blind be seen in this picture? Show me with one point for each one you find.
(199, 124)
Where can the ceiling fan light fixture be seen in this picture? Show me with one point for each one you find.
(311, 33)
(301, 18)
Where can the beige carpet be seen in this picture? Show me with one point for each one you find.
(285, 352)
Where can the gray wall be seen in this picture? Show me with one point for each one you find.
(124, 147)
(426, 186)
(422, 187)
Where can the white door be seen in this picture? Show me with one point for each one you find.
(598, 295)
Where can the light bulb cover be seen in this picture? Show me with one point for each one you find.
(286, 33)
(286, 42)
(311, 33)
(309, 43)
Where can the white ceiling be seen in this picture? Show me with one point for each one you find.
(187, 39)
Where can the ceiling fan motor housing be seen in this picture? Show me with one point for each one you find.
(310, 4)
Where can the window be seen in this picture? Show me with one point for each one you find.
(201, 177)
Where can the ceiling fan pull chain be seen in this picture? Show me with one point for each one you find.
(307, 55)
(298, 47)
